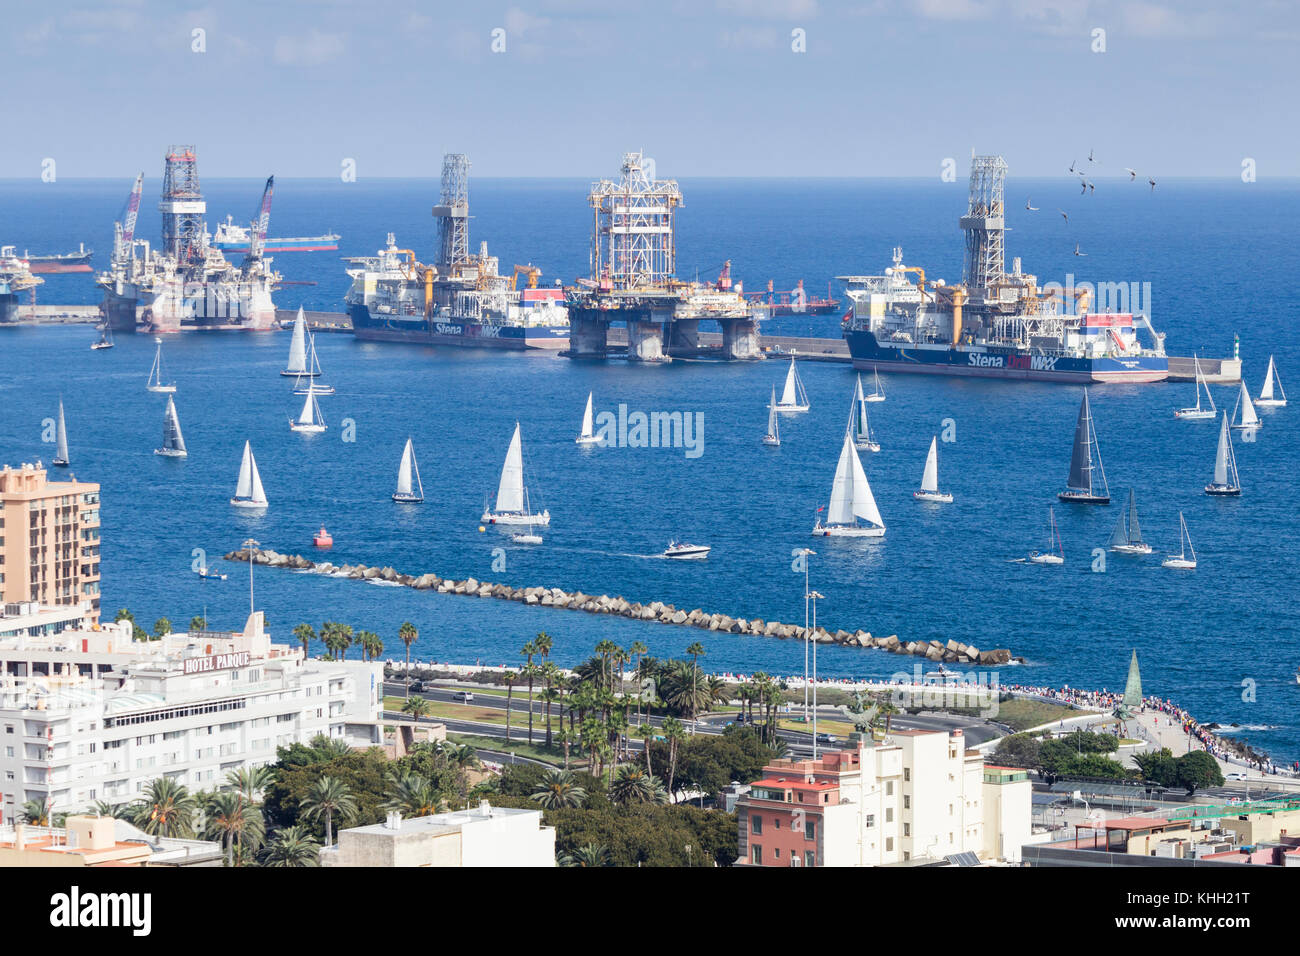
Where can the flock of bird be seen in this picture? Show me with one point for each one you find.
(1087, 186)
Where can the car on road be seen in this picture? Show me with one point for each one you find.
(1235, 775)
(463, 696)
(825, 739)
(417, 687)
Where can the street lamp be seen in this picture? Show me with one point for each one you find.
(249, 545)
(814, 595)
(805, 552)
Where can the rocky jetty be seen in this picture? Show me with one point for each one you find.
(951, 652)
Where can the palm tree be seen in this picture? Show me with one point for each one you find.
(198, 623)
(635, 785)
(371, 644)
(566, 738)
(589, 854)
(675, 733)
(529, 650)
(305, 634)
(408, 635)
(251, 781)
(413, 796)
(559, 789)
(695, 651)
(232, 817)
(345, 640)
(550, 677)
(124, 615)
(417, 707)
(329, 797)
(37, 813)
(293, 846)
(509, 678)
(161, 628)
(647, 732)
(167, 809)
(118, 811)
(606, 650)
(638, 650)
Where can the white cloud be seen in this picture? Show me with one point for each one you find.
(311, 49)
(952, 9)
(770, 9)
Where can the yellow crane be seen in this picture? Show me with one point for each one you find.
(529, 270)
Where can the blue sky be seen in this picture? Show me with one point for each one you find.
(706, 87)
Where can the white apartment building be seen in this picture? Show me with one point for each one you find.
(913, 796)
(482, 836)
(89, 715)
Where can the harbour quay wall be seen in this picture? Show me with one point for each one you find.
(950, 652)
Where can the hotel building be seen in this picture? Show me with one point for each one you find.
(49, 541)
(89, 715)
(912, 797)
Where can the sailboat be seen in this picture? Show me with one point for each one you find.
(930, 478)
(410, 490)
(1266, 393)
(155, 383)
(1080, 487)
(588, 435)
(1053, 555)
(60, 440)
(1244, 405)
(773, 436)
(859, 426)
(1181, 560)
(879, 394)
(298, 349)
(309, 419)
(1226, 482)
(793, 397)
(512, 497)
(1127, 536)
(105, 338)
(851, 500)
(1198, 412)
(301, 387)
(173, 443)
(249, 493)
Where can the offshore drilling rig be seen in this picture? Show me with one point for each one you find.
(15, 278)
(633, 259)
(187, 284)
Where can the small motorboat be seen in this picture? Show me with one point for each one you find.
(206, 572)
(683, 551)
(323, 539)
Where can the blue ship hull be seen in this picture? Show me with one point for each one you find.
(988, 362)
(416, 329)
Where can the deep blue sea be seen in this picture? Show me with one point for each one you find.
(1218, 256)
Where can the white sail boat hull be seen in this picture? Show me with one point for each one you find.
(517, 517)
(512, 505)
(1132, 548)
(771, 441)
(1270, 402)
(1036, 558)
(1194, 414)
(940, 497)
(1183, 564)
(171, 452)
(248, 504)
(168, 389)
(846, 531)
(524, 538)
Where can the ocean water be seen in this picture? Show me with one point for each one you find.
(1222, 640)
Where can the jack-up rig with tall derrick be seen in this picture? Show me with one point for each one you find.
(633, 258)
(995, 324)
(188, 284)
(460, 299)
(15, 279)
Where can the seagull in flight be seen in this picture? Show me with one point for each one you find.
(1084, 184)
(1072, 163)
(1092, 187)
(1090, 159)
(1132, 173)
(1029, 207)
(1063, 215)
(1153, 184)
(1077, 252)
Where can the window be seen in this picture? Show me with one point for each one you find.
(809, 858)
(907, 774)
(756, 855)
(810, 831)
(889, 844)
(889, 814)
(889, 788)
(907, 802)
(756, 824)
(907, 829)
(776, 853)
(950, 809)
(871, 820)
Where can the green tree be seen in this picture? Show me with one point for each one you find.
(509, 678)
(559, 788)
(167, 809)
(37, 813)
(417, 707)
(1197, 770)
(293, 846)
(328, 798)
(124, 615)
(305, 634)
(198, 623)
(161, 628)
(676, 733)
(590, 854)
(529, 651)
(250, 781)
(1018, 750)
(634, 785)
(231, 817)
(413, 795)
(695, 652)
(408, 635)
(1158, 767)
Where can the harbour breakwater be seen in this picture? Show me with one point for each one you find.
(951, 652)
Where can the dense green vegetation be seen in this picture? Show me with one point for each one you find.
(1084, 754)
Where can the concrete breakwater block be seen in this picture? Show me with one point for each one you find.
(951, 651)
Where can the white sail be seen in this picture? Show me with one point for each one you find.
(173, 440)
(790, 395)
(309, 407)
(587, 422)
(258, 494)
(773, 419)
(1202, 384)
(1266, 393)
(510, 492)
(404, 470)
(244, 488)
(298, 346)
(930, 478)
(1225, 450)
(1248, 416)
(61, 438)
(851, 496)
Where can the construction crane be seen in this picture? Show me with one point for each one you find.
(125, 229)
(529, 270)
(262, 224)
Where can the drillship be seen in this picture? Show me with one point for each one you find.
(189, 284)
(460, 300)
(15, 278)
(996, 324)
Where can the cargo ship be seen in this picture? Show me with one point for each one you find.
(395, 298)
(78, 261)
(897, 325)
(231, 237)
(794, 302)
(15, 279)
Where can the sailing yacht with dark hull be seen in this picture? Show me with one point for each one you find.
(1081, 488)
(1226, 482)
